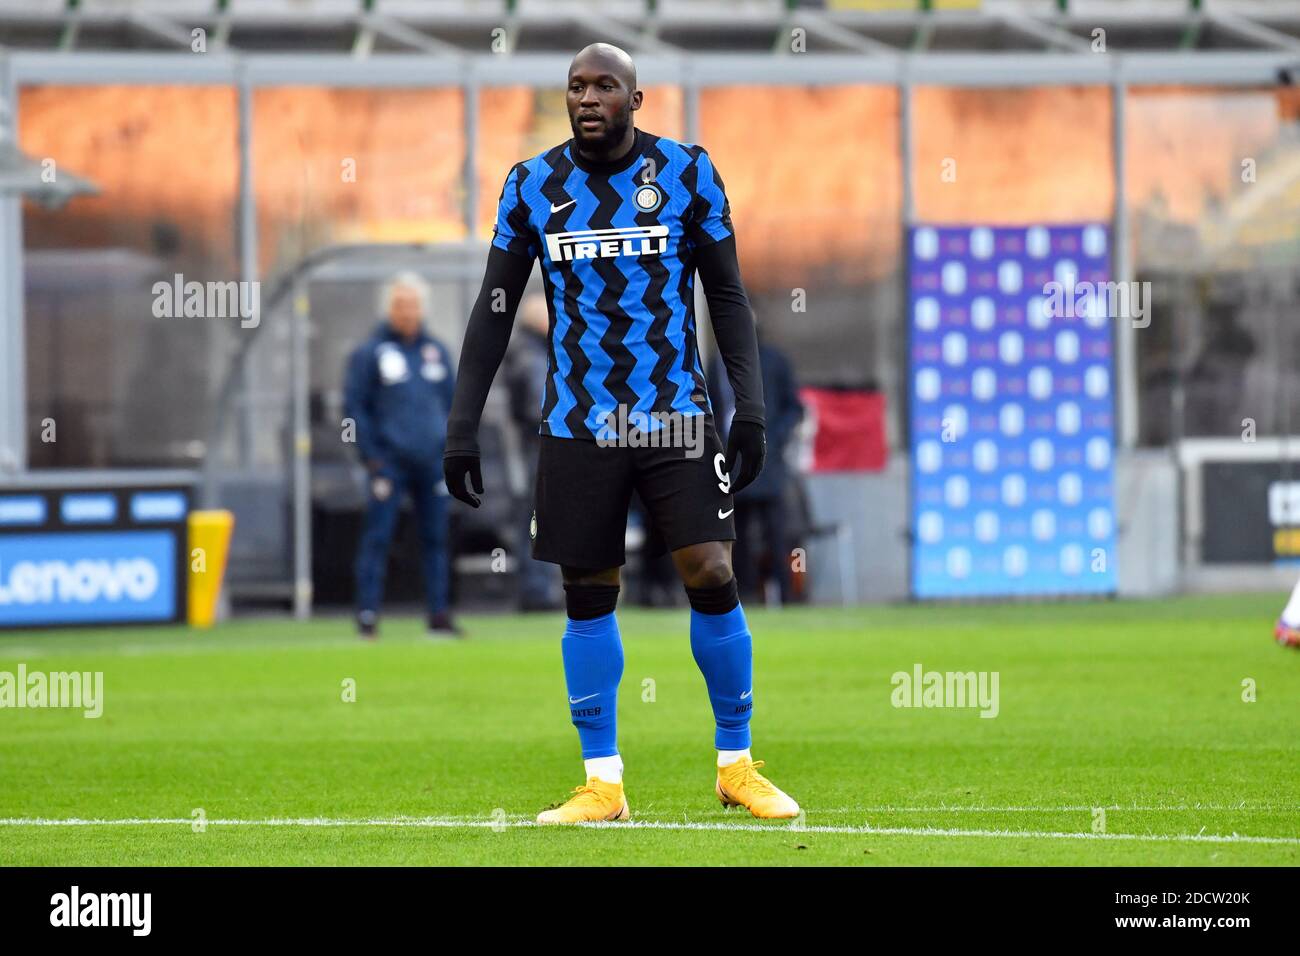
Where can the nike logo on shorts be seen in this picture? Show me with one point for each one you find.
(723, 514)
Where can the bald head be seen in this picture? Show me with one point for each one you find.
(605, 57)
(601, 98)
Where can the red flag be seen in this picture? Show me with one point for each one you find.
(849, 429)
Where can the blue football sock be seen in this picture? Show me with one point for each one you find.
(724, 652)
(593, 666)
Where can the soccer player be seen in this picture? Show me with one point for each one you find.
(621, 220)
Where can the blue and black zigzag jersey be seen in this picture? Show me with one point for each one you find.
(616, 243)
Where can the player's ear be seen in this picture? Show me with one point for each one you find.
(636, 100)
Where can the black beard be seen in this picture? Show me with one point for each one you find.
(615, 130)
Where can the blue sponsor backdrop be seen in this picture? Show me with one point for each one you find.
(66, 578)
(1012, 412)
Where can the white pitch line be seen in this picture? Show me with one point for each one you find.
(1187, 807)
(461, 823)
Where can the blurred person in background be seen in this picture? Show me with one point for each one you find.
(539, 582)
(398, 392)
(761, 520)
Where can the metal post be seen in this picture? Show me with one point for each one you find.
(901, 409)
(248, 267)
(1280, 291)
(13, 350)
(300, 451)
(1126, 373)
(906, 146)
(690, 104)
(471, 94)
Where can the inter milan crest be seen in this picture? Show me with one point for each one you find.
(647, 197)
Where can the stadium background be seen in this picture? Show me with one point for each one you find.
(319, 146)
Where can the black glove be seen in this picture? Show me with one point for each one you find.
(748, 440)
(454, 467)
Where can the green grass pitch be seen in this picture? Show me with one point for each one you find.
(1122, 738)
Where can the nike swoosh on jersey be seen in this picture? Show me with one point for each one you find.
(723, 514)
(555, 208)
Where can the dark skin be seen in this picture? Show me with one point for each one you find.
(703, 565)
(601, 98)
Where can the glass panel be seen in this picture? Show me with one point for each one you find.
(1013, 156)
(1213, 179)
(336, 167)
(122, 385)
(349, 165)
(814, 182)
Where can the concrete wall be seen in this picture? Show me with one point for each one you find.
(872, 510)
(1146, 512)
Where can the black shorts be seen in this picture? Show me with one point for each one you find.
(583, 490)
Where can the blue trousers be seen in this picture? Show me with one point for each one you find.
(383, 504)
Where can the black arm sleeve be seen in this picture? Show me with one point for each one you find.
(486, 339)
(733, 326)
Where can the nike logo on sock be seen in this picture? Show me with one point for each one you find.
(579, 700)
(746, 693)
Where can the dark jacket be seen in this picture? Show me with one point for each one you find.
(782, 410)
(399, 395)
(527, 365)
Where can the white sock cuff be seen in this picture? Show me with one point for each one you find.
(727, 757)
(608, 769)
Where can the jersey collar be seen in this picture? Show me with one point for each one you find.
(608, 169)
